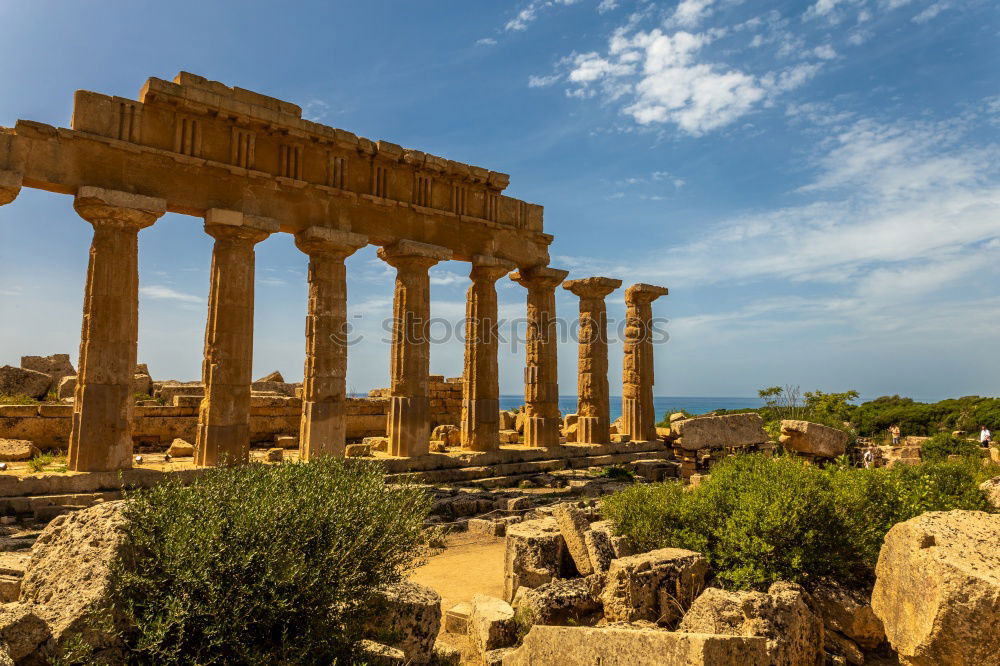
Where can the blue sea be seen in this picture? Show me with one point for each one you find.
(662, 404)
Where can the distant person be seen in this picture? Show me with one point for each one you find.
(985, 438)
(868, 458)
(894, 431)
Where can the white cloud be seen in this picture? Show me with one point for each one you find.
(821, 8)
(665, 81)
(542, 81)
(530, 12)
(931, 12)
(825, 52)
(689, 13)
(162, 293)
(486, 41)
(607, 6)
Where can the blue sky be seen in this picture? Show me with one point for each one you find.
(817, 184)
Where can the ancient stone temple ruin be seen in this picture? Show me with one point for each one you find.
(251, 166)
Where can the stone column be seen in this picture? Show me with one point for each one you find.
(593, 403)
(409, 419)
(324, 384)
(10, 185)
(100, 437)
(541, 374)
(224, 417)
(481, 389)
(638, 415)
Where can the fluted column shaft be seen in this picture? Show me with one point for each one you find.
(593, 402)
(100, 436)
(481, 389)
(541, 371)
(638, 414)
(408, 426)
(224, 416)
(324, 385)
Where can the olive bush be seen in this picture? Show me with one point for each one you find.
(262, 564)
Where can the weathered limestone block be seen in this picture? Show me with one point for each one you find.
(599, 549)
(21, 630)
(272, 377)
(838, 645)
(850, 613)
(535, 553)
(573, 525)
(508, 437)
(55, 366)
(491, 624)
(66, 580)
(734, 430)
(651, 586)
(561, 602)
(180, 448)
(813, 439)
(991, 488)
(937, 588)
(508, 420)
(783, 616)
(619, 544)
(66, 387)
(10, 185)
(619, 646)
(407, 616)
(450, 435)
(17, 449)
(357, 450)
(21, 381)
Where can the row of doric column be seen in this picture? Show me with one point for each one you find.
(101, 428)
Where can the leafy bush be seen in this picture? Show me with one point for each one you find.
(262, 564)
(18, 399)
(918, 418)
(759, 519)
(943, 444)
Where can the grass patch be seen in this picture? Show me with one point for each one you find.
(18, 399)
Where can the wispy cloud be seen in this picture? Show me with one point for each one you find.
(163, 293)
(486, 41)
(529, 13)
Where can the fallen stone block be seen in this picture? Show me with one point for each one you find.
(407, 616)
(491, 624)
(275, 455)
(377, 443)
(617, 646)
(55, 366)
(561, 602)
(653, 586)
(991, 488)
(286, 441)
(66, 582)
(456, 618)
(20, 381)
(573, 525)
(813, 439)
(937, 588)
(12, 450)
(357, 450)
(273, 377)
(838, 645)
(180, 448)
(21, 630)
(783, 616)
(488, 527)
(509, 437)
(535, 554)
(710, 432)
(848, 612)
(66, 387)
(599, 549)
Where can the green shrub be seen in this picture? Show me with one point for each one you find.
(19, 399)
(262, 564)
(943, 444)
(759, 519)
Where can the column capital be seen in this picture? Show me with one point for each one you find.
(641, 292)
(10, 185)
(317, 240)
(408, 253)
(592, 287)
(486, 268)
(116, 209)
(221, 223)
(539, 277)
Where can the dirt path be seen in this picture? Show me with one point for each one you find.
(471, 564)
